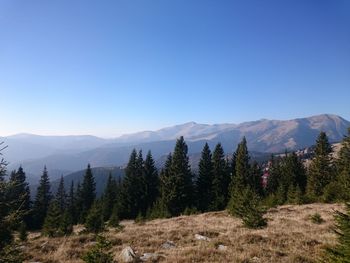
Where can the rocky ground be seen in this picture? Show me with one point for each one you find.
(291, 236)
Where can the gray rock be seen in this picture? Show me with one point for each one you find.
(127, 255)
(222, 247)
(168, 245)
(200, 237)
(150, 257)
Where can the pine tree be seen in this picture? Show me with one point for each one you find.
(61, 196)
(274, 171)
(109, 197)
(205, 180)
(180, 188)
(254, 179)
(20, 193)
(114, 218)
(87, 192)
(247, 207)
(242, 167)
(78, 204)
(42, 200)
(321, 168)
(66, 224)
(239, 181)
(152, 180)
(23, 235)
(341, 252)
(52, 219)
(9, 218)
(220, 174)
(94, 220)
(71, 205)
(343, 167)
(133, 186)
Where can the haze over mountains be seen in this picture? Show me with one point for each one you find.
(67, 154)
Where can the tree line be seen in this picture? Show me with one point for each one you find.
(232, 182)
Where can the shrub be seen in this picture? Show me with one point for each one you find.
(99, 252)
(246, 205)
(316, 218)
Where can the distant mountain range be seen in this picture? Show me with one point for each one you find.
(67, 154)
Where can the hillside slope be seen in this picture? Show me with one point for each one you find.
(289, 237)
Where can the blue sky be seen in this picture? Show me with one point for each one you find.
(112, 67)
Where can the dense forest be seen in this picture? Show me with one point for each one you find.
(145, 193)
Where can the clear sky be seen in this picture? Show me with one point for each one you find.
(112, 67)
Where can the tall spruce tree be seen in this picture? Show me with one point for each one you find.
(109, 197)
(219, 183)
(87, 192)
(343, 167)
(53, 219)
(178, 192)
(274, 172)
(133, 188)
(321, 168)
(254, 178)
(71, 209)
(61, 196)
(242, 165)
(42, 200)
(20, 193)
(152, 181)
(205, 180)
(341, 252)
(9, 218)
(78, 204)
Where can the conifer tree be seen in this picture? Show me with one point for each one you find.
(205, 180)
(343, 167)
(341, 252)
(42, 200)
(9, 218)
(179, 194)
(114, 218)
(152, 181)
(132, 188)
(71, 205)
(20, 193)
(94, 220)
(321, 169)
(239, 180)
(242, 165)
(220, 179)
(66, 223)
(52, 219)
(274, 170)
(160, 208)
(79, 204)
(61, 196)
(87, 193)
(245, 202)
(254, 179)
(109, 197)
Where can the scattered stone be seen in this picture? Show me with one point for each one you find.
(200, 237)
(255, 259)
(150, 257)
(168, 245)
(127, 255)
(222, 247)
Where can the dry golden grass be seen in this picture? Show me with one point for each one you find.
(289, 237)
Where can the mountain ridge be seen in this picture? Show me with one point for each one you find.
(67, 154)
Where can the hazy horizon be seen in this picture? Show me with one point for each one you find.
(159, 128)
